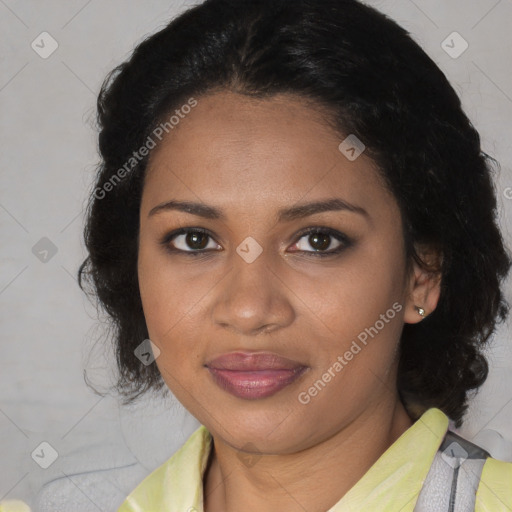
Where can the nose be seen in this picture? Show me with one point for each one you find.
(253, 299)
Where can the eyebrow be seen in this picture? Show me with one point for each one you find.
(285, 214)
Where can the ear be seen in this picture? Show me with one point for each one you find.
(424, 286)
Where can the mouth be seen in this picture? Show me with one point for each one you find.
(254, 375)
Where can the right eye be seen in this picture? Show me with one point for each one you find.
(189, 240)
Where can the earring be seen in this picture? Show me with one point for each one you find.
(421, 311)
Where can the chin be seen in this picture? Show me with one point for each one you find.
(266, 431)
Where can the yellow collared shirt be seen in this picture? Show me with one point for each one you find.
(392, 483)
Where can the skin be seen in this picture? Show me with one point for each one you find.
(250, 158)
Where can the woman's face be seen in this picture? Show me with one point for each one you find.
(310, 341)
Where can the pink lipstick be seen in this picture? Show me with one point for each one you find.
(254, 375)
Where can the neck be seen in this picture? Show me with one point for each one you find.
(285, 482)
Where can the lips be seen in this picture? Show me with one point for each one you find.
(254, 375)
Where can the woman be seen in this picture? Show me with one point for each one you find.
(294, 209)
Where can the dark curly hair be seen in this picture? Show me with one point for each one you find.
(377, 83)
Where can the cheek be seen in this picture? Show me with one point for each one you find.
(357, 316)
(363, 313)
(172, 302)
(351, 297)
(160, 301)
(159, 283)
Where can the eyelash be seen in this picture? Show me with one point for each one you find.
(346, 242)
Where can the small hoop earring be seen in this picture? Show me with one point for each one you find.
(421, 311)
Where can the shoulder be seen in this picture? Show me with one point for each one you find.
(494, 492)
(465, 476)
(14, 506)
(177, 480)
(495, 489)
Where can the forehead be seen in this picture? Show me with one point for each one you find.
(257, 150)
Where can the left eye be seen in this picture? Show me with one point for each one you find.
(321, 242)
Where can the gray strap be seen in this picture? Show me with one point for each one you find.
(453, 478)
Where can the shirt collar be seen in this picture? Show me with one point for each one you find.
(392, 483)
(395, 480)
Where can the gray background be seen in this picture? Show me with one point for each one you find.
(47, 165)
